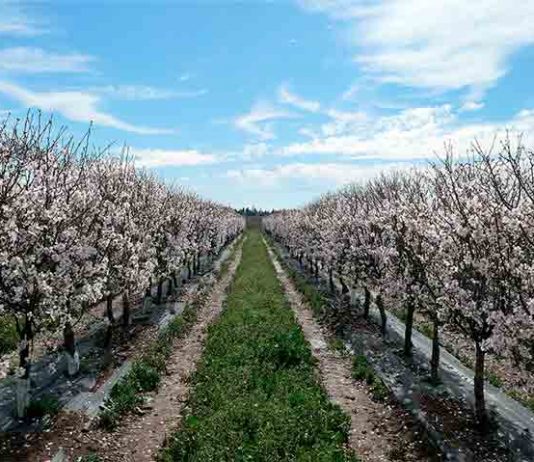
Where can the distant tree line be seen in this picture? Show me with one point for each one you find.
(253, 212)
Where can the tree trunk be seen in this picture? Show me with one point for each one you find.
(344, 288)
(170, 287)
(23, 382)
(434, 360)
(410, 309)
(148, 290)
(480, 405)
(174, 279)
(189, 271)
(109, 309)
(111, 324)
(71, 352)
(366, 302)
(381, 309)
(331, 280)
(22, 396)
(316, 270)
(24, 350)
(159, 294)
(126, 309)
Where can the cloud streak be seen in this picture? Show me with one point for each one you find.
(334, 174)
(257, 121)
(145, 92)
(439, 45)
(77, 106)
(14, 23)
(151, 158)
(285, 96)
(36, 60)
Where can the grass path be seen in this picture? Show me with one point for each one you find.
(256, 395)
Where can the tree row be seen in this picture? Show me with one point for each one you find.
(452, 240)
(78, 226)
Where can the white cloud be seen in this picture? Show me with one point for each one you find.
(13, 27)
(471, 106)
(342, 122)
(256, 122)
(37, 60)
(351, 92)
(177, 158)
(13, 22)
(73, 105)
(287, 97)
(335, 174)
(450, 44)
(145, 92)
(255, 150)
(416, 133)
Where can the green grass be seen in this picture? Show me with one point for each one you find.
(8, 335)
(255, 395)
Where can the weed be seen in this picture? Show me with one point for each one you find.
(336, 344)
(46, 405)
(89, 458)
(523, 398)
(378, 389)
(145, 375)
(362, 370)
(8, 335)
(426, 329)
(494, 379)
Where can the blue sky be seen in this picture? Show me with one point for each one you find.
(271, 103)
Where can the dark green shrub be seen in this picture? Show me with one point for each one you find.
(362, 370)
(108, 419)
(379, 390)
(46, 405)
(125, 395)
(145, 375)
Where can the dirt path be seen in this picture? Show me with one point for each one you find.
(379, 432)
(139, 438)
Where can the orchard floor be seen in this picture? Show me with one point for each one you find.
(256, 379)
